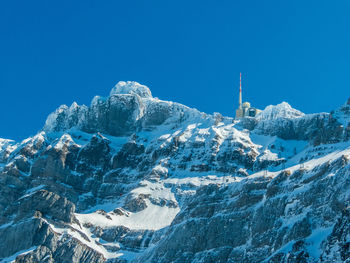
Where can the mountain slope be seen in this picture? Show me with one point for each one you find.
(134, 178)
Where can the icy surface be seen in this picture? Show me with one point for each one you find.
(152, 218)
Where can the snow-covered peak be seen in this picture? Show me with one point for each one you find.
(74, 106)
(131, 87)
(282, 110)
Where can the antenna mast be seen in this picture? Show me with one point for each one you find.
(240, 90)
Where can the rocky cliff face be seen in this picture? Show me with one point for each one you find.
(131, 178)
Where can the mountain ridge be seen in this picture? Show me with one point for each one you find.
(132, 178)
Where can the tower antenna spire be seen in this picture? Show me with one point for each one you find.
(240, 90)
(244, 109)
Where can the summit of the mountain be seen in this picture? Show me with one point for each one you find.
(129, 108)
(131, 87)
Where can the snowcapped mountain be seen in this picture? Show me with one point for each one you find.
(132, 178)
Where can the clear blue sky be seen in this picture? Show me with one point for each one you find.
(55, 52)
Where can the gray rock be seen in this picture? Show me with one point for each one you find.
(49, 204)
(23, 235)
(135, 204)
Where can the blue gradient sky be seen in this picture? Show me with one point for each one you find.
(55, 52)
